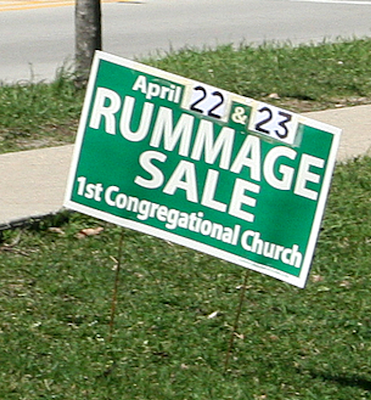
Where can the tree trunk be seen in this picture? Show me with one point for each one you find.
(88, 36)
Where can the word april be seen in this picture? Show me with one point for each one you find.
(152, 90)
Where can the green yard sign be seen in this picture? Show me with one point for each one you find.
(236, 178)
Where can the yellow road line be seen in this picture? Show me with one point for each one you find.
(17, 5)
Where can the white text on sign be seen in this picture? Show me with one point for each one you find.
(200, 143)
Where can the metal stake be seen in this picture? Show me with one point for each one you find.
(115, 289)
(236, 321)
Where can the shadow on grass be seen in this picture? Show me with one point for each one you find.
(344, 380)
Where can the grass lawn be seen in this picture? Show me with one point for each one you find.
(176, 307)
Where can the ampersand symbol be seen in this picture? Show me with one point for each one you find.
(239, 116)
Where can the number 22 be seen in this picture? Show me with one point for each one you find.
(195, 106)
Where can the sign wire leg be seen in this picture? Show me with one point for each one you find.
(236, 321)
(115, 289)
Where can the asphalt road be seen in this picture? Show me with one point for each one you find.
(35, 42)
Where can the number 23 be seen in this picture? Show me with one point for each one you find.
(282, 122)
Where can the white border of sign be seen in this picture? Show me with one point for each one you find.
(299, 281)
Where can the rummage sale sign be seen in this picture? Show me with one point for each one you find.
(205, 168)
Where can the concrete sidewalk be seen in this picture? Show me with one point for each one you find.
(32, 183)
(355, 123)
